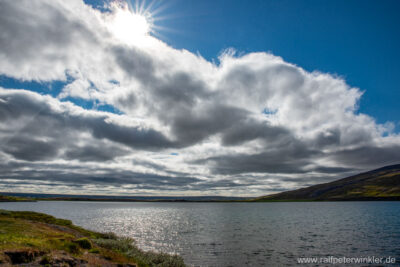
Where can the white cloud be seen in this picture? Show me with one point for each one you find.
(172, 100)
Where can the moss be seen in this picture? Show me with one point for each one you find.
(39, 217)
(72, 247)
(45, 218)
(94, 250)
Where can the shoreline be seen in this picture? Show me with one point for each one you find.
(365, 199)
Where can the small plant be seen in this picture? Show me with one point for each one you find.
(109, 235)
(72, 248)
(122, 244)
(94, 251)
(84, 243)
(127, 246)
(45, 260)
(5, 212)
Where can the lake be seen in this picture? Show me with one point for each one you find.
(241, 234)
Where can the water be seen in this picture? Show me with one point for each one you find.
(240, 234)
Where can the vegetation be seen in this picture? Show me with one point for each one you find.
(84, 243)
(40, 239)
(14, 199)
(380, 184)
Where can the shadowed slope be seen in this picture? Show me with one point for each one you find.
(380, 184)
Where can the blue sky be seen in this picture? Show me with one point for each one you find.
(358, 40)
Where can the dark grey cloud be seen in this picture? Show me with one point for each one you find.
(292, 159)
(134, 62)
(86, 176)
(180, 90)
(328, 138)
(135, 137)
(26, 148)
(249, 130)
(100, 152)
(33, 116)
(368, 157)
(192, 127)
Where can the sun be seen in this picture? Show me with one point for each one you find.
(130, 26)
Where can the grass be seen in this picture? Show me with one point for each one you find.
(127, 247)
(43, 238)
(84, 243)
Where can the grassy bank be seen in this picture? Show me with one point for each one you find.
(39, 239)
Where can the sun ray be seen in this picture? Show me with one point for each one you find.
(128, 24)
(135, 21)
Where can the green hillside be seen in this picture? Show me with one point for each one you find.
(380, 184)
(14, 199)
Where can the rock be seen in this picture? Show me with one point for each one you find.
(22, 255)
(62, 259)
(4, 259)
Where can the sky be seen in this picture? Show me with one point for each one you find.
(234, 98)
(358, 42)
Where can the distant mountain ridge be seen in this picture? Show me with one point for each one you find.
(43, 196)
(379, 184)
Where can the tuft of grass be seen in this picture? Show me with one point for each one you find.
(45, 218)
(127, 247)
(39, 217)
(45, 260)
(109, 235)
(94, 250)
(5, 212)
(72, 247)
(84, 243)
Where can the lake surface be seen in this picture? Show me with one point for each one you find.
(242, 234)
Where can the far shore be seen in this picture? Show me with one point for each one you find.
(9, 198)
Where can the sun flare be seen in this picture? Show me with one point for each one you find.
(129, 26)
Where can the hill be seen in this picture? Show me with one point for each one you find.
(7, 196)
(4, 198)
(379, 184)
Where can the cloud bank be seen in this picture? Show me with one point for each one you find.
(246, 125)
